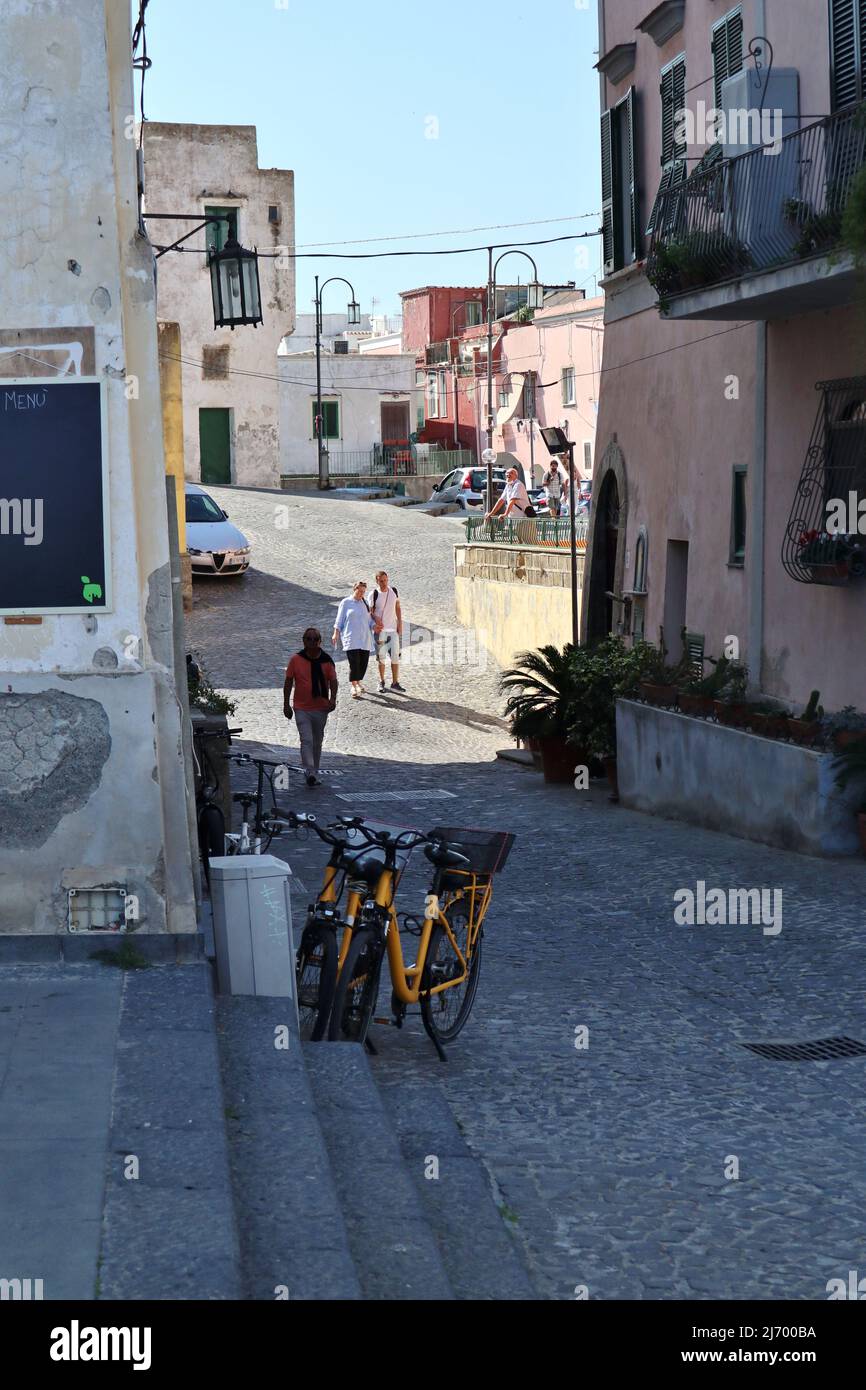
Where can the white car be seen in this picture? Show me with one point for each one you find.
(215, 546)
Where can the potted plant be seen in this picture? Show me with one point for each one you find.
(807, 728)
(697, 694)
(605, 673)
(541, 690)
(846, 727)
(659, 682)
(730, 707)
(850, 767)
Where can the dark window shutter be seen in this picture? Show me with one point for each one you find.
(608, 252)
(667, 95)
(679, 146)
(727, 50)
(630, 156)
(847, 32)
(674, 176)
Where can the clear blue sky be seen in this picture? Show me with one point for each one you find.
(343, 92)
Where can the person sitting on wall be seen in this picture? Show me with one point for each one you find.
(514, 500)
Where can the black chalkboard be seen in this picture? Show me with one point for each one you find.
(52, 498)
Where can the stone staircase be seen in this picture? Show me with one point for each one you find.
(347, 1190)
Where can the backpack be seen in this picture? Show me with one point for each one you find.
(395, 592)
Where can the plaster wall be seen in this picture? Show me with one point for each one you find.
(360, 384)
(91, 767)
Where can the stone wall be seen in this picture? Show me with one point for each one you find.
(727, 779)
(515, 598)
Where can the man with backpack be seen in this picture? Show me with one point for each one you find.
(388, 621)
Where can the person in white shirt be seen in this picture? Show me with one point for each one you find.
(555, 483)
(514, 500)
(388, 625)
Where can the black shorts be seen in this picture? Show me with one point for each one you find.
(359, 660)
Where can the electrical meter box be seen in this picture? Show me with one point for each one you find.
(97, 909)
(252, 919)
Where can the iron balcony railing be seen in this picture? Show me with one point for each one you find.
(438, 353)
(759, 210)
(823, 543)
(396, 460)
(549, 531)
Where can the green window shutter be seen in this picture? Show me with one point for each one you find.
(673, 100)
(674, 176)
(629, 140)
(727, 50)
(217, 233)
(608, 239)
(847, 35)
(330, 419)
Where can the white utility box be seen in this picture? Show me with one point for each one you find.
(252, 921)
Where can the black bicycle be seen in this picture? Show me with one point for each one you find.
(210, 819)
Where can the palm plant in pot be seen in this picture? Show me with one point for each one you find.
(605, 673)
(541, 690)
(850, 765)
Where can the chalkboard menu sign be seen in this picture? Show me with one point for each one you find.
(54, 534)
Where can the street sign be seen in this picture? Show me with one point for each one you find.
(54, 520)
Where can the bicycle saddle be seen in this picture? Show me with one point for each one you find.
(366, 866)
(445, 856)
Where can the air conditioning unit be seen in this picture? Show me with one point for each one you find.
(341, 346)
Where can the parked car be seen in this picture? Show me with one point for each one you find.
(466, 486)
(216, 547)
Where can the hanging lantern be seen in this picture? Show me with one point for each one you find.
(237, 296)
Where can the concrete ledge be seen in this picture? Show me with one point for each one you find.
(760, 789)
(79, 950)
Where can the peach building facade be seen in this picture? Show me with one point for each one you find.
(730, 301)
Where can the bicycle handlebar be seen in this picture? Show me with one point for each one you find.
(406, 839)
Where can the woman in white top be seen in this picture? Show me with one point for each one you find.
(354, 626)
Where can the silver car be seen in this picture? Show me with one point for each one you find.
(466, 486)
(215, 546)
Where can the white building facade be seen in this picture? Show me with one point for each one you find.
(230, 390)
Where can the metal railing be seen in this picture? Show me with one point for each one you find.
(437, 353)
(548, 531)
(759, 210)
(831, 486)
(396, 460)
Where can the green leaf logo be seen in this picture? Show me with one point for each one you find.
(90, 592)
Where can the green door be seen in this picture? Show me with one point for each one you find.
(215, 446)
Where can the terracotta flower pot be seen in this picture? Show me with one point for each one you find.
(861, 826)
(757, 722)
(847, 736)
(655, 694)
(559, 759)
(777, 726)
(732, 715)
(698, 705)
(803, 730)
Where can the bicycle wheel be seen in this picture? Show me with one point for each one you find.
(211, 837)
(445, 1014)
(357, 989)
(316, 980)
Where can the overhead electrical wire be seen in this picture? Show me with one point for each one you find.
(385, 255)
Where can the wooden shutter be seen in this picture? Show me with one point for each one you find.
(673, 100)
(628, 134)
(608, 239)
(665, 216)
(847, 33)
(727, 50)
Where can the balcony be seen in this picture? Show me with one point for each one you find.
(759, 236)
(438, 354)
(824, 541)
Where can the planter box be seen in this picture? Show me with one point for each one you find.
(727, 779)
(666, 695)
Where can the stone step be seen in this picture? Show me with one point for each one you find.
(480, 1256)
(397, 1255)
(293, 1238)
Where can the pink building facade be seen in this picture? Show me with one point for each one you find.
(733, 397)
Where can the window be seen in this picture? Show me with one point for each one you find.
(738, 515)
(330, 419)
(619, 191)
(273, 213)
(727, 50)
(587, 456)
(474, 313)
(437, 395)
(218, 233)
(568, 386)
(527, 405)
(505, 393)
(847, 51)
(640, 563)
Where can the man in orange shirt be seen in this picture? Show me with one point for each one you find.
(311, 677)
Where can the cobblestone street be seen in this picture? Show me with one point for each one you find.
(613, 1165)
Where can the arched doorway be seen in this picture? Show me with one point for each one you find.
(605, 552)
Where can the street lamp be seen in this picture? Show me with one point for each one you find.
(557, 442)
(354, 318)
(534, 300)
(234, 272)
